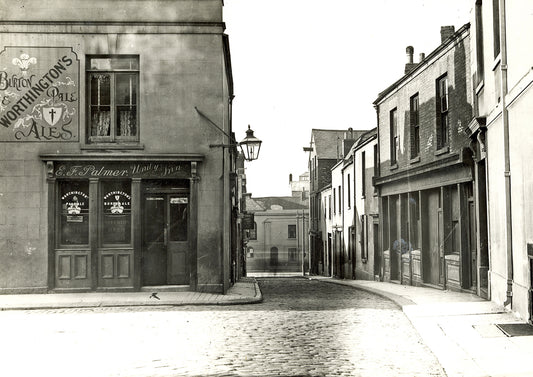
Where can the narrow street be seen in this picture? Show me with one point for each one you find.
(302, 328)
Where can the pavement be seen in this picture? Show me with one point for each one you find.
(459, 328)
(245, 291)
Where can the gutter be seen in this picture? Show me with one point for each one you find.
(507, 160)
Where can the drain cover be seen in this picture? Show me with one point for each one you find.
(516, 329)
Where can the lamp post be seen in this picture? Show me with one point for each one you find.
(250, 146)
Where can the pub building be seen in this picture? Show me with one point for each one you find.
(117, 156)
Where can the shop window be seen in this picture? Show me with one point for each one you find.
(113, 98)
(116, 203)
(74, 213)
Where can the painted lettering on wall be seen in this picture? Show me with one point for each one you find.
(39, 94)
(118, 170)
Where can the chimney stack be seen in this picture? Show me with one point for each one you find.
(409, 65)
(446, 32)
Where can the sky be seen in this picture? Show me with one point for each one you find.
(304, 64)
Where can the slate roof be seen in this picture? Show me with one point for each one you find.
(265, 203)
(327, 141)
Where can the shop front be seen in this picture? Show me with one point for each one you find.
(117, 224)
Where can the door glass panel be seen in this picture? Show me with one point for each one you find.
(117, 212)
(74, 222)
(154, 222)
(178, 219)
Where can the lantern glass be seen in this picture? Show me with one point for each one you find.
(250, 145)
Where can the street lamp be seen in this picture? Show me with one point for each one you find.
(250, 146)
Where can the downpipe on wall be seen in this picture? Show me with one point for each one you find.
(507, 171)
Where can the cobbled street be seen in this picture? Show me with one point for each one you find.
(302, 328)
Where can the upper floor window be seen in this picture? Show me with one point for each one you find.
(334, 201)
(394, 137)
(415, 126)
(349, 196)
(496, 26)
(363, 175)
(340, 200)
(291, 230)
(112, 83)
(442, 112)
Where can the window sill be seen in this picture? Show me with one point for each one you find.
(443, 150)
(414, 160)
(480, 86)
(114, 146)
(497, 61)
(394, 166)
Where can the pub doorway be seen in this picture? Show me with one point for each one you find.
(165, 234)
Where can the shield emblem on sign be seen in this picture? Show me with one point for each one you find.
(52, 114)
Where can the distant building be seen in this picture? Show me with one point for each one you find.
(300, 188)
(327, 148)
(500, 133)
(364, 233)
(278, 243)
(425, 178)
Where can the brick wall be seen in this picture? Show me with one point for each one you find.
(452, 61)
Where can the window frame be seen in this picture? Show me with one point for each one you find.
(394, 138)
(291, 230)
(414, 119)
(443, 108)
(113, 105)
(363, 175)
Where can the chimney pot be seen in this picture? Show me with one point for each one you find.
(422, 56)
(409, 52)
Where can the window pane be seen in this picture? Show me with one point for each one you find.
(154, 218)
(178, 218)
(126, 121)
(117, 212)
(126, 89)
(100, 89)
(74, 223)
(100, 101)
(100, 121)
(107, 64)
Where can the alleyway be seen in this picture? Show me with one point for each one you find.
(302, 328)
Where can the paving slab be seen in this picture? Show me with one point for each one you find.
(459, 328)
(245, 291)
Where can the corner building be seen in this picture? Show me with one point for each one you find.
(109, 174)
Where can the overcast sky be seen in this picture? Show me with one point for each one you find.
(303, 64)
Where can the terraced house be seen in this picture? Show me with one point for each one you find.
(113, 175)
(425, 183)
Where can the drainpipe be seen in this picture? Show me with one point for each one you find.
(507, 172)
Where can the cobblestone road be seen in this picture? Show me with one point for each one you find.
(303, 328)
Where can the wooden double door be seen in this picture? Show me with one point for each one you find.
(165, 254)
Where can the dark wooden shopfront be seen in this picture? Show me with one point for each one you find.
(121, 225)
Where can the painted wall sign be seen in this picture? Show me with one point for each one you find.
(121, 170)
(39, 94)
